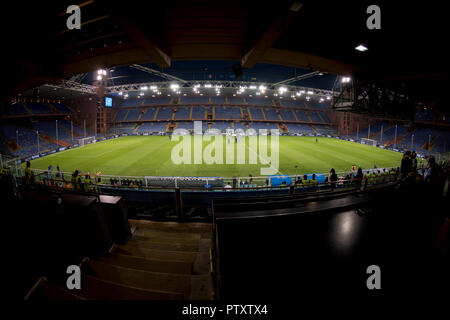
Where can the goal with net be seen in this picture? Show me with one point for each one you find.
(369, 142)
(87, 140)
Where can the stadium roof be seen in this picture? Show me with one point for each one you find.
(309, 35)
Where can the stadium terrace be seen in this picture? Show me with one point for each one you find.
(217, 151)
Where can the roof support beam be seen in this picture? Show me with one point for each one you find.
(155, 54)
(156, 73)
(275, 30)
(301, 77)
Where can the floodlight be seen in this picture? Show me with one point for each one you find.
(361, 48)
(144, 88)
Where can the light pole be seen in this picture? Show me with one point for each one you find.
(357, 131)
(381, 138)
(395, 137)
(57, 144)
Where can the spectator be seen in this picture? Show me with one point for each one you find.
(333, 178)
(50, 172)
(305, 180)
(29, 178)
(235, 181)
(433, 171)
(405, 166)
(227, 186)
(414, 161)
(313, 180)
(359, 177)
(250, 179)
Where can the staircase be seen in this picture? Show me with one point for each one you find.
(162, 261)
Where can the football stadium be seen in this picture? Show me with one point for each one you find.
(219, 151)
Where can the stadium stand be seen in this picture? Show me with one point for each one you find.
(15, 109)
(62, 108)
(198, 113)
(259, 101)
(228, 113)
(301, 116)
(255, 113)
(152, 127)
(287, 115)
(218, 100)
(149, 114)
(156, 101)
(271, 114)
(182, 113)
(292, 103)
(185, 125)
(131, 103)
(132, 115)
(262, 125)
(221, 125)
(314, 116)
(194, 100)
(235, 100)
(121, 114)
(38, 108)
(164, 113)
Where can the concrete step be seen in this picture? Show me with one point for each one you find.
(49, 291)
(195, 227)
(140, 236)
(140, 263)
(153, 281)
(162, 246)
(182, 256)
(167, 234)
(100, 289)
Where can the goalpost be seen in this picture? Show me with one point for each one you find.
(369, 142)
(87, 140)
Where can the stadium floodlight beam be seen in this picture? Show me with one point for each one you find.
(361, 48)
(208, 85)
(144, 88)
(174, 86)
(345, 79)
(153, 87)
(282, 89)
(252, 87)
(310, 92)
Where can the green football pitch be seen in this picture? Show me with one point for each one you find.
(151, 156)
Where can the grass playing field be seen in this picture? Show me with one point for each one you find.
(151, 156)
